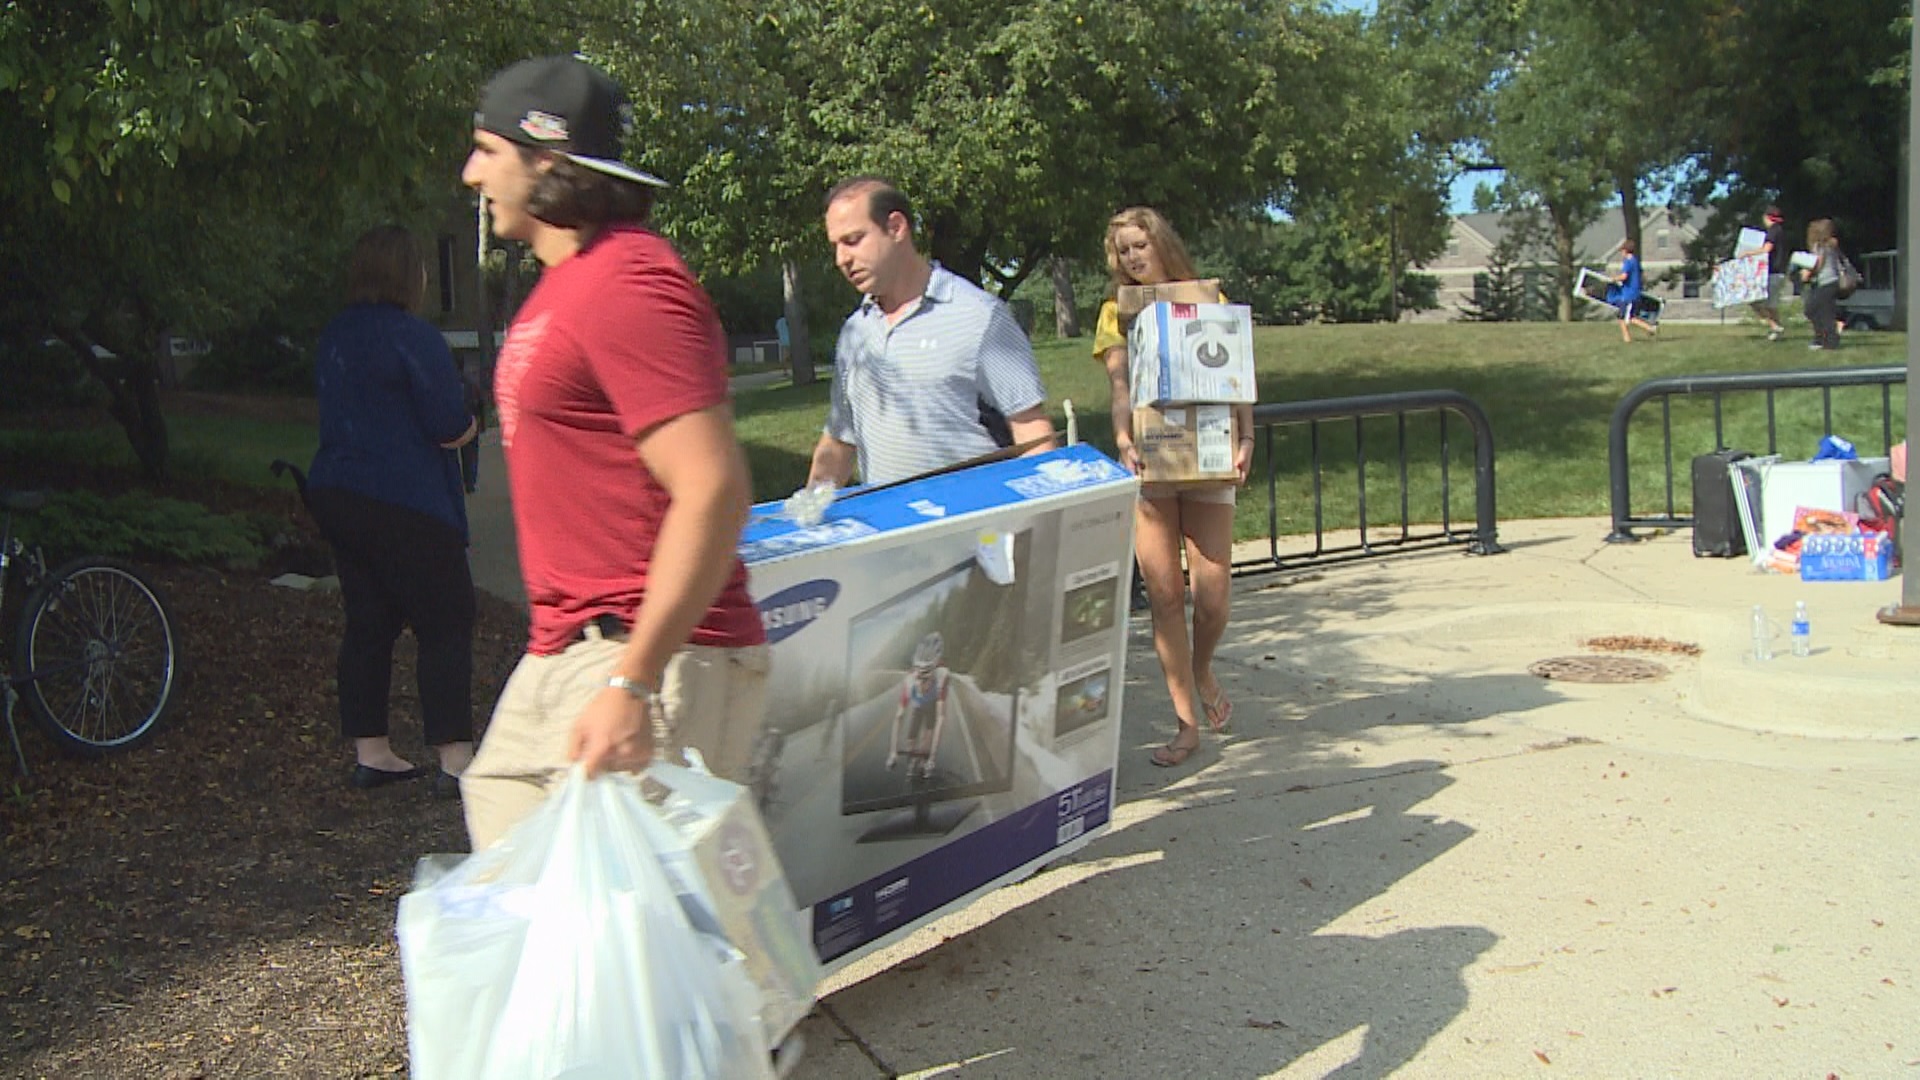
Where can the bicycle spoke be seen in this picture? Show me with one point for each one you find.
(101, 657)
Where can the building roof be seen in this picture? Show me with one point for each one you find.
(1602, 239)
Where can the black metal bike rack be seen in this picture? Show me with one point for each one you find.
(1768, 382)
(1482, 540)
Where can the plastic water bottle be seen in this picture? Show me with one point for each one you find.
(1802, 630)
(1762, 644)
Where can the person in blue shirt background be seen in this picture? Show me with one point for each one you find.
(1625, 295)
(387, 492)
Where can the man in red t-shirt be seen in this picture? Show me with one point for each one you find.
(629, 488)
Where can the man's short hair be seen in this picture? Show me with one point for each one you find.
(883, 199)
(574, 196)
(387, 268)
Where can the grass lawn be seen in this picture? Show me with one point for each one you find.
(1548, 389)
(204, 443)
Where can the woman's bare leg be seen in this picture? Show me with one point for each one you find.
(1157, 542)
(1208, 529)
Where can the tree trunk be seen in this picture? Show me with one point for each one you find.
(1630, 214)
(514, 292)
(1393, 264)
(1563, 269)
(482, 230)
(799, 351)
(1066, 315)
(132, 380)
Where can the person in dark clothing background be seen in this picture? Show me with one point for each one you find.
(386, 489)
(1822, 279)
(1777, 255)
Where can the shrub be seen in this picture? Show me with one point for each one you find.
(141, 526)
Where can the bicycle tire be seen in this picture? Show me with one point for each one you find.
(101, 657)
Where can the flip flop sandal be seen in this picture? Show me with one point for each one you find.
(1173, 753)
(1219, 711)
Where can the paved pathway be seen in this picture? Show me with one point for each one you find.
(1414, 858)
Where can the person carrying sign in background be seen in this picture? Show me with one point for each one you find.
(1775, 249)
(1143, 249)
(1625, 293)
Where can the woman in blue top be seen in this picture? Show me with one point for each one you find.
(1625, 294)
(386, 490)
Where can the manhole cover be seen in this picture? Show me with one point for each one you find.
(1598, 669)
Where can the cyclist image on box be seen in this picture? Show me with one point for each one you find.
(923, 708)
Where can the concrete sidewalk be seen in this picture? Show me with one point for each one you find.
(1411, 857)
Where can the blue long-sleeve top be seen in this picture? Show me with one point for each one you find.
(389, 396)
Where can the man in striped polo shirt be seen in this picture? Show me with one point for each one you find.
(928, 360)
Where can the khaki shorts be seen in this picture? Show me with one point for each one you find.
(1776, 293)
(714, 700)
(1222, 493)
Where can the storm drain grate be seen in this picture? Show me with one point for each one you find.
(1598, 669)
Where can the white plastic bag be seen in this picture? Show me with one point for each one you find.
(564, 951)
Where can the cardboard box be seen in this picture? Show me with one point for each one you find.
(886, 811)
(725, 859)
(1183, 353)
(1181, 443)
(1788, 486)
(1852, 557)
(1131, 300)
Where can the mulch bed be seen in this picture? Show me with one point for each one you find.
(218, 902)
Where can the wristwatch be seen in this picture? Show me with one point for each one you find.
(638, 690)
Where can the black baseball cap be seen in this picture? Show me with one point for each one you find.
(563, 104)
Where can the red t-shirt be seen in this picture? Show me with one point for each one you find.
(611, 342)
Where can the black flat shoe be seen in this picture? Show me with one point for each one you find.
(446, 786)
(366, 777)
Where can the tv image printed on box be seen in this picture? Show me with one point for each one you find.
(1086, 698)
(1092, 603)
(912, 752)
(941, 663)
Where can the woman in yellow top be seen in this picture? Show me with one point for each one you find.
(1142, 249)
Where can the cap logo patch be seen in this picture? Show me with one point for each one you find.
(544, 127)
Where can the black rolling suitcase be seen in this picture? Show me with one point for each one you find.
(1716, 517)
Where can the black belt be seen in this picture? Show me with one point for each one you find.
(609, 625)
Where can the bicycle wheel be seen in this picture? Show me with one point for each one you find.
(99, 656)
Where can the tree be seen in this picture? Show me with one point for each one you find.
(1016, 128)
(1809, 103)
(1511, 291)
(1293, 272)
(1554, 158)
(186, 166)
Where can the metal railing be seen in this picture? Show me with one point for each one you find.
(1482, 540)
(1767, 382)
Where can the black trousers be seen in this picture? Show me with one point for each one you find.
(1823, 311)
(400, 568)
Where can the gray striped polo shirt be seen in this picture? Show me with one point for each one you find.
(907, 396)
